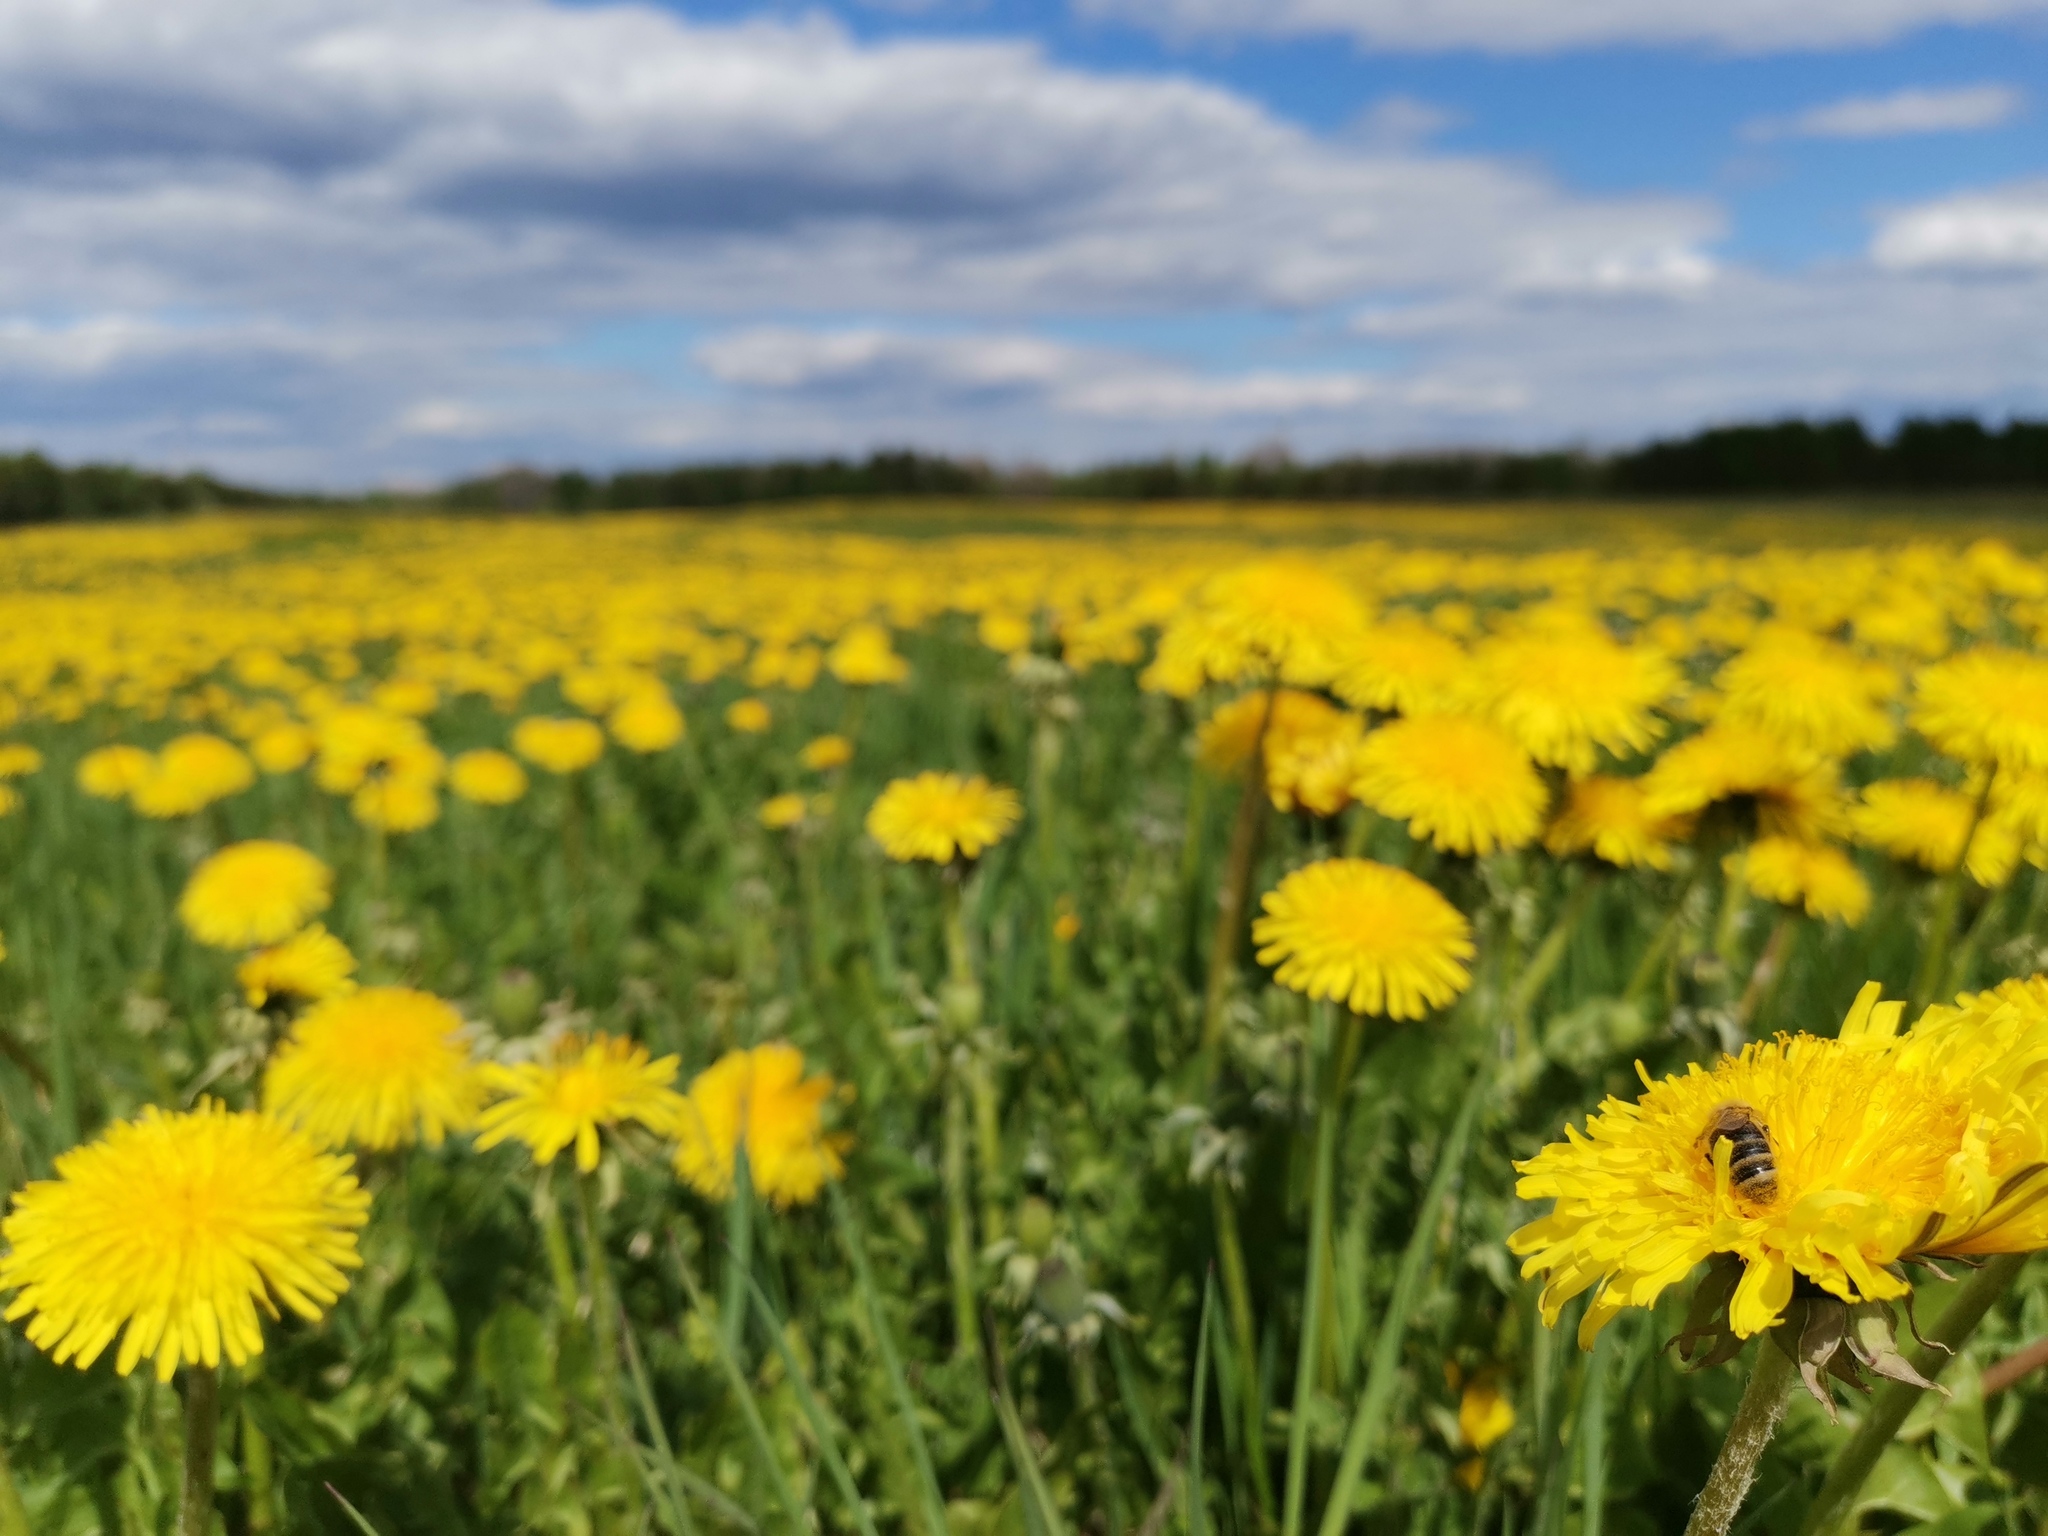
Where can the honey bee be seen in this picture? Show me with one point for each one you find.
(1751, 1168)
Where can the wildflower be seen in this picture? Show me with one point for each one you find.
(191, 773)
(1314, 772)
(10, 799)
(310, 965)
(558, 744)
(1460, 781)
(399, 802)
(284, 748)
(358, 743)
(942, 816)
(584, 1085)
(111, 773)
(18, 760)
(824, 753)
(486, 776)
(646, 720)
(1818, 877)
(1005, 633)
(1374, 937)
(749, 716)
(863, 657)
(413, 696)
(171, 1230)
(1283, 620)
(1760, 777)
(257, 892)
(1228, 738)
(1485, 1416)
(1567, 691)
(1066, 923)
(1605, 816)
(378, 1068)
(1926, 823)
(1987, 707)
(1815, 694)
(781, 812)
(760, 1098)
(1403, 665)
(1883, 1148)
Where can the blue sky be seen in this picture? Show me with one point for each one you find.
(353, 242)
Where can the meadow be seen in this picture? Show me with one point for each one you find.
(990, 1020)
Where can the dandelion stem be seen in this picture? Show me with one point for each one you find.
(1888, 1410)
(959, 1219)
(1237, 1292)
(1329, 1116)
(1948, 903)
(1550, 953)
(202, 1431)
(1234, 896)
(1756, 1420)
(1651, 965)
(739, 1253)
(1769, 966)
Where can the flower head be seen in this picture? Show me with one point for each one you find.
(1925, 823)
(1567, 691)
(1285, 620)
(781, 812)
(759, 1098)
(1790, 792)
(18, 759)
(1816, 694)
(284, 748)
(310, 965)
(1817, 877)
(378, 1068)
(557, 743)
(1404, 665)
(258, 892)
(1605, 816)
(1458, 780)
(1228, 738)
(486, 776)
(171, 1230)
(821, 754)
(1987, 707)
(112, 773)
(646, 719)
(942, 816)
(583, 1086)
(749, 716)
(863, 657)
(189, 774)
(1374, 937)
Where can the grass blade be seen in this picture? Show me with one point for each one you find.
(1368, 1421)
(1591, 1434)
(931, 1500)
(671, 1488)
(1197, 1493)
(1309, 1358)
(355, 1515)
(814, 1413)
(1040, 1513)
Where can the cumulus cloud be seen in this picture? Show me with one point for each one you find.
(1518, 26)
(1999, 231)
(1962, 109)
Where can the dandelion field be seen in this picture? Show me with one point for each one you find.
(1012, 1022)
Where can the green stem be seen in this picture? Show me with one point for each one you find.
(1329, 1116)
(1234, 897)
(554, 1237)
(1888, 1410)
(1651, 965)
(1237, 1292)
(1965, 961)
(1592, 1434)
(1549, 955)
(1756, 1420)
(1089, 1392)
(1769, 966)
(1948, 902)
(739, 1254)
(202, 1431)
(604, 1302)
(259, 1476)
(959, 1218)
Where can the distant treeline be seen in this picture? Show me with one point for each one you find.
(1791, 458)
(34, 490)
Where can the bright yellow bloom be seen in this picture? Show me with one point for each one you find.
(1283, 620)
(284, 748)
(1789, 792)
(111, 773)
(1226, 740)
(1485, 1413)
(358, 743)
(1567, 691)
(781, 812)
(379, 1068)
(557, 743)
(1404, 665)
(1987, 707)
(584, 1086)
(258, 892)
(190, 773)
(1462, 782)
(1314, 771)
(18, 759)
(760, 1098)
(1817, 877)
(824, 753)
(863, 657)
(413, 696)
(749, 716)
(1816, 694)
(1371, 936)
(942, 816)
(1884, 1148)
(646, 720)
(399, 802)
(171, 1230)
(1605, 816)
(486, 776)
(310, 965)
(1925, 822)
(1005, 633)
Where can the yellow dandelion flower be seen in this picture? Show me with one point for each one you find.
(1314, 771)
(112, 773)
(558, 744)
(258, 892)
(781, 812)
(1788, 792)
(1228, 738)
(358, 743)
(10, 799)
(18, 760)
(1566, 692)
(1817, 877)
(864, 657)
(379, 1068)
(1460, 781)
(759, 1098)
(191, 773)
(1284, 620)
(310, 965)
(1485, 1413)
(749, 716)
(646, 720)
(1004, 633)
(171, 1230)
(586, 1085)
(1988, 707)
(413, 696)
(284, 748)
(398, 802)
(942, 816)
(824, 753)
(1371, 936)
(1881, 1148)
(1404, 665)
(486, 776)
(1816, 694)
(1605, 816)
(1924, 822)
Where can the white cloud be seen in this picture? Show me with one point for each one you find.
(1962, 109)
(1527, 26)
(2005, 230)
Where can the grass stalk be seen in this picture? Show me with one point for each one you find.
(1329, 1119)
(1948, 904)
(813, 1412)
(1756, 1420)
(1233, 898)
(960, 1252)
(1197, 1492)
(1238, 1294)
(739, 1254)
(1590, 1439)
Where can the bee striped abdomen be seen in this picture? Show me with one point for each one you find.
(1752, 1169)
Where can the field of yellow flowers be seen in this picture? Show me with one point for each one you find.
(1023, 1023)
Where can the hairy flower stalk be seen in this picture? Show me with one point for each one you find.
(1756, 1420)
